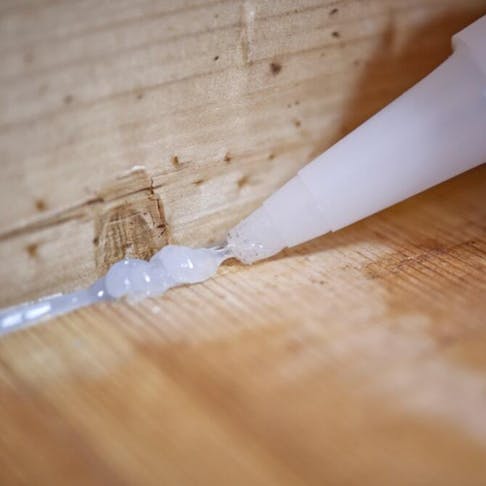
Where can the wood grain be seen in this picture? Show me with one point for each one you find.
(220, 101)
(356, 359)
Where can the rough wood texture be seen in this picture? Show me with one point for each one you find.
(220, 101)
(356, 359)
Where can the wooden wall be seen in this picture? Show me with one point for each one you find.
(126, 125)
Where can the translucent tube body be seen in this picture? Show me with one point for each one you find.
(431, 133)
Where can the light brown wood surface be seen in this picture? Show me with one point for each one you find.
(356, 359)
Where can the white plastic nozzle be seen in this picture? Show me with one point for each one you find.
(431, 133)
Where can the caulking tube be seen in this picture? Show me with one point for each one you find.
(431, 133)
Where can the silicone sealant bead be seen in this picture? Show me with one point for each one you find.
(157, 277)
(119, 280)
(131, 277)
(137, 277)
(188, 265)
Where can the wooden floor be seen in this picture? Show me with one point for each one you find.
(358, 358)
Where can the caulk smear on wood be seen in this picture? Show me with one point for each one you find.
(170, 267)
